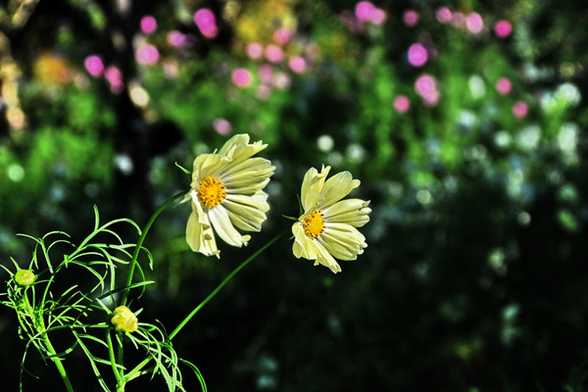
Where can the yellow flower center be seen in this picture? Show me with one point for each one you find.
(211, 191)
(313, 224)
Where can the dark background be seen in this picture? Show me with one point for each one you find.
(475, 276)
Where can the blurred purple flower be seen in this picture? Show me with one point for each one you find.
(474, 23)
(241, 77)
(378, 16)
(297, 64)
(503, 86)
(417, 55)
(177, 39)
(520, 109)
(222, 126)
(443, 15)
(503, 28)
(254, 50)
(410, 18)
(147, 54)
(401, 104)
(206, 22)
(94, 65)
(148, 24)
(274, 54)
(426, 87)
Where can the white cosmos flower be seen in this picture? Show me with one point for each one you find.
(327, 228)
(227, 194)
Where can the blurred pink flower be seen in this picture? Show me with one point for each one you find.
(94, 65)
(222, 126)
(206, 22)
(266, 73)
(401, 104)
(263, 92)
(171, 69)
(458, 19)
(417, 55)
(114, 77)
(503, 28)
(241, 77)
(364, 11)
(474, 23)
(177, 39)
(443, 15)
(410, 18)
(378, 16)
(281, 80)
(147, 54)
(148, 24)
(426, 87)
(503, 86)
(254, 50)
(297, 64)
(520, 109)
(274, 54)
(282, 36)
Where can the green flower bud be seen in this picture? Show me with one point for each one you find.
(25, 277)
(124, 320)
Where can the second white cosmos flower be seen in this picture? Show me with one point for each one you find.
(327, 228)
(227, 194)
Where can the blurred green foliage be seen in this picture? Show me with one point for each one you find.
(475, 274)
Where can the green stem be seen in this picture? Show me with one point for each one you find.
(169, 202)
(134, 373)
(218, 288)
(57, 361)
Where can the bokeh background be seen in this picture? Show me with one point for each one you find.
(465, 121)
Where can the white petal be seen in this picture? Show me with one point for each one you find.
(352, 211)
(303, 246)
(199, 233)
(325, 258)
(219, 218)
(238, 148)
(337, 187)
(312, 186)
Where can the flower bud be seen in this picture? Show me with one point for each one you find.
(124, 320)
(25, 277)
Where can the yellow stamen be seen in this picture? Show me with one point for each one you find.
(211, 191)
(313, 224)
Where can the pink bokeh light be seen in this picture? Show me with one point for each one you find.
(241, 77)
(426, 88)
(401, 104)
(254, 50)
(94, 65)
(443, 15)
(520, 109)
(410, 18)
(474, 23)
(266, 73)
(274, 54)
(114, 77)
(297, 64)
(148, 24)
(503, 86)
(503, 28)
(282, 36)
(147, 54)
(177, 39)
(222, 126)
(206, 22)
(417, 55)
(364, 11)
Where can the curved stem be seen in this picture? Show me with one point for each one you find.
(218, 288)
(135, 372)
(139, 245)
(57, 361)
